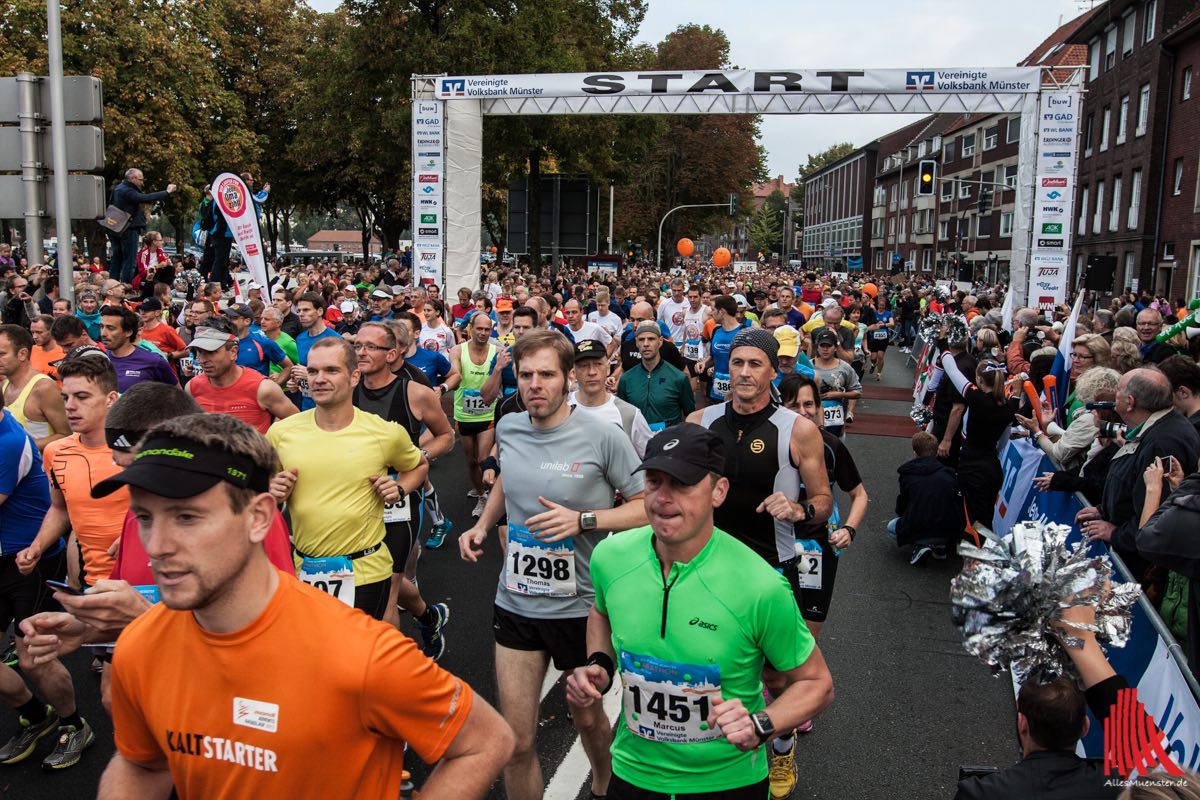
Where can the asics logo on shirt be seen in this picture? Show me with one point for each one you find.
(699, 623)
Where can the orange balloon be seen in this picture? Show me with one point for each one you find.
(721, 257)
(871, 289)
(685, 247)
(493, 248)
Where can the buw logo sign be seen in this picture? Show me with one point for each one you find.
(1132, 741)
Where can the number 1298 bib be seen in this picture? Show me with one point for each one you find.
(534, 567)
(667, 701)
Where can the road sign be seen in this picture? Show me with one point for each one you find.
(86, 195)
(85, 149)
(83, 99)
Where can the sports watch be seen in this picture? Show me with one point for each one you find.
(587, 521)
(762, 725)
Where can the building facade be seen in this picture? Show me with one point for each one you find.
(1179, 229)
(837, 202)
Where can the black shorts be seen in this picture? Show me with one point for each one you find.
(23, 596)
(876, 345)
(372, 597)
(813, 603)
(473, 428)
(690, 367)
(619, 789)
(564, 639)
(402, 538)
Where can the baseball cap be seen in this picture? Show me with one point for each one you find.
(382, 294)
(239, 310)
(211, 339)
(788, 339)
(687, 452)
(837, 293)
(347, 306)
(647, 327)
(175, 467)
(825, 336)
(760, 338)
(504, 304)
(150, 304)
(740, 299)
(828, 302)
(589, 348)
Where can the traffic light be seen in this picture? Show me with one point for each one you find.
(926, 177)
(985, 199)
(733, 200)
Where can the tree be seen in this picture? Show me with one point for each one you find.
(814, 164)
(766, 229)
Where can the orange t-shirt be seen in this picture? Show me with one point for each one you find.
(164, 337)
(312, 699)
(74, 469)
(40, 359)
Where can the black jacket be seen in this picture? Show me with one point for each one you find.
(1170, 538)
(928, 505)
(1090, 478)
(129, 199)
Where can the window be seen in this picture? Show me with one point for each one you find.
(1168, 251)
(947, 190)
(1151, 12)
(921, 149)
(1014, 130)
(964, 229)
(990, 137)
(1127, 33)
(1178, 177)
(948, 152)
(983, 226)
(1123, 120)
(1129, 274)
(1083, 211)
(1114, 214)
(943, 230)
(878, 260)
(880, 197)
(904, 195)
(891, 227)
(926, 255)
(1135, 198)
(903, 225)
(1196, 200)
(968, 145)
(1010, 176)
(1143, 110)
(1110, 48)
(1087, 135)
(1187, 83)
(877, 228)
(1094, 58)
(1006, 223)
(964, 190)
(892, 197)
(1098, 217)
(1105, 121)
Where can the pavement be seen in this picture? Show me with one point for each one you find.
(911, 705)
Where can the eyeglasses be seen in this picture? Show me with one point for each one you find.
(1084, 356)
(364, 346)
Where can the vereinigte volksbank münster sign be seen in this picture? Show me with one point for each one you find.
(1004, 80)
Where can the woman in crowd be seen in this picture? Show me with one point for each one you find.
(435, 334)
(1070, 447)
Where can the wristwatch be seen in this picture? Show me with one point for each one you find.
(762, 725)
(587, 521)
(809, 512)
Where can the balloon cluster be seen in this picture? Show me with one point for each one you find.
(957, 332)
(1009, 598)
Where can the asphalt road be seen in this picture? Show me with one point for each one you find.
(911, 706)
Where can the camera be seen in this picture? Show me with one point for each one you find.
(1111, 430)
(1101, 405)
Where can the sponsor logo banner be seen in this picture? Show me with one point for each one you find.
(1052, 227)
(428, 147)
(234, 200)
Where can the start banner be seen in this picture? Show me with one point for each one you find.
(1145, 661)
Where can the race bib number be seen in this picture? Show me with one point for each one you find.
(692, 350)
(657, 426)
(667, 701)
(833, 413)
(879, 334)
(302, 385)
(187, 365)
(472, 403)
(537, 568)
(149, 592)
(721, 384)
(808, 563)
(333, 576)
(400, 511)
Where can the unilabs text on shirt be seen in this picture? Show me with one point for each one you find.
(217, 748)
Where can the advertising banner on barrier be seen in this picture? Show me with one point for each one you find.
(428, 191)
(1144, 661)
(1003, 80)
(1054, 197)
(237, 206)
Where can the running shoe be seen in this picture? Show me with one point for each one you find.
(20, 746)
(472, 493)
(939, 552)
(9, 658)
(782, 773)
(479, 505)
(433, 644)
(72, 742)
(805, 727)
(439, 533)
(919, 555)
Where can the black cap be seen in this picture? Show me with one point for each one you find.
(172, 467)
(589, 348)
(151, 304)
(825, 336)
(687, 452)
(239, 310)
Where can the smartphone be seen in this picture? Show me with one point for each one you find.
(1165, 463)
(63, 587)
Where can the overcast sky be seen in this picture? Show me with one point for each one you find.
(775, 34)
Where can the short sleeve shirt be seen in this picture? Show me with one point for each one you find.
(23, 480)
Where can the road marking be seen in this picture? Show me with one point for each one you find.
(552, 676)
(574, 768)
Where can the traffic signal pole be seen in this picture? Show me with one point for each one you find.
(27, 90)
(658, 251)
(64, 253)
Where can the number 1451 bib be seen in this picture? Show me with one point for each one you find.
(667, 701)
(534, 567)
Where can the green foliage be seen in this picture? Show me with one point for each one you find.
(766, 229)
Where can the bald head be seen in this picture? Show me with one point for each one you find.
(1149, 388)
(641, 311)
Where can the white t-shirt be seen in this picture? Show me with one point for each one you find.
(591, 330)
(693, 347)
(640, 432)
(439, 339)
(673, 314)
(610, 322)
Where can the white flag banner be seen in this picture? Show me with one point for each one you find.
(237, 206)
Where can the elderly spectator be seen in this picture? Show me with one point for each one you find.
(1070, 447)
(1155, 430)
(1149, 325)
(1103, 324)
(129, 197)
(1184, 375)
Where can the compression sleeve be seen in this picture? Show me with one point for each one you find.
(950, 367)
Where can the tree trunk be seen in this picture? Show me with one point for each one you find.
(273, 230)
(287, 231)
(534, 205)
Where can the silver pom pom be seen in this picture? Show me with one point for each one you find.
(1012, 591)
(921, 414)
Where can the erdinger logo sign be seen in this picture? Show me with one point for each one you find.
(231, 195)
(1132, 741)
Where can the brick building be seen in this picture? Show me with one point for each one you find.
(1179, 227)
(837, 201)
(1123, 173)
(340, 241)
